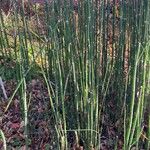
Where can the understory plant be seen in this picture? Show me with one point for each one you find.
(94, 57)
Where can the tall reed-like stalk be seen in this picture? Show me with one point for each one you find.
(90, 57)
